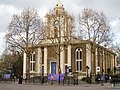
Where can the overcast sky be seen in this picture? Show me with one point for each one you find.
(111, 8)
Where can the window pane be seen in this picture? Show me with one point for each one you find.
(33, 57)
(30, 57)
(80, 65)
(77, 65)
(80, 54)
(77, 55)
(33, 66)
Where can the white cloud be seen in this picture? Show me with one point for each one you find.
(109, 7)
(115, 28)
(114, 23)
(2, 42)
(42, 12)
(6, 12)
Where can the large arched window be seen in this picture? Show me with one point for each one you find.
(32, 61)
(78, 58)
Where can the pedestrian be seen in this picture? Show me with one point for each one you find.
(14, 77)
(42, 80)
(52, 78)
(20, 79)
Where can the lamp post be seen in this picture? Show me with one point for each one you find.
(59, 38)
(59, 69)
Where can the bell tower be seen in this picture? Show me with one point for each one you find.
(58, 22)
(59, 9)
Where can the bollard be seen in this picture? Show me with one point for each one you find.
(68, 82)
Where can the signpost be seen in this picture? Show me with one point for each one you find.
(98, 68)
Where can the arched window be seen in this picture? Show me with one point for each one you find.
(32, 61)
(78, 58)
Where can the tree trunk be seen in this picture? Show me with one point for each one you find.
(93, 64)
(27, 67)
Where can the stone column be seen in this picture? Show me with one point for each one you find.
(69, 55)
(45, 61)
(62, 60)
(96, 59)
(88, 57)
(24, 65)
(38, 64)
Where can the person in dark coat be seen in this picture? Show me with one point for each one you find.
(20, 79)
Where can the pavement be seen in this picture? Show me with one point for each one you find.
(47, 86)
(15, 86)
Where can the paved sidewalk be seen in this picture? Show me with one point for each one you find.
(81, 84)
(15, 86)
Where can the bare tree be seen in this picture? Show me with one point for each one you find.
(94, 27)
(25, 33)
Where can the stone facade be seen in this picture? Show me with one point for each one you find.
(61, 48)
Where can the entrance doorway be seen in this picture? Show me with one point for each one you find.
(53, 67)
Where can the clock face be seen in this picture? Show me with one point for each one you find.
(56, 22)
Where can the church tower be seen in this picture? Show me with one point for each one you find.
(58, 22)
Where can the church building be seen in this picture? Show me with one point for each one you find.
(61, 52)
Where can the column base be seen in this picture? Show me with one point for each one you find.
(92, 78)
